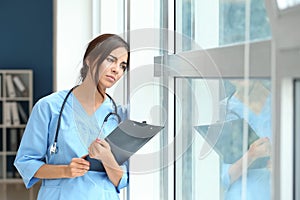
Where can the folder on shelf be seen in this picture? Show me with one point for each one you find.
(1, 85)
(12, 139)
(7, 113)
(15, 113)
(22, 113)
(1, 166)
(125, 140)
(10, 87)
(20, 86)
(226, 138)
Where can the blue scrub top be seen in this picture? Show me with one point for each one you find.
(39, 136)
(258, 180)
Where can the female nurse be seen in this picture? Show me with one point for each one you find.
(65, 173)
(258, 176)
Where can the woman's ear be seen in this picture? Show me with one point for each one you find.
(87, 62)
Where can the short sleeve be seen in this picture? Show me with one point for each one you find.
(125, 178)
(32, 150)
(225, 176)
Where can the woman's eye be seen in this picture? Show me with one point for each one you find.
(111, 60)
(124, 67)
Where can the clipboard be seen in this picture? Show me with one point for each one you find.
(125, 140)
(226, 138)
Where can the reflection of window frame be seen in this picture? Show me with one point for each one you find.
(285, 67)
(213, 63)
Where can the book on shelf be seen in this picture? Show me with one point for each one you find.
(1, 142)
(19, 136)
(10, 87)
(11, 171)
(22, 113)
(21, 88)
(14, 113)
(12, 139)
(1, 166)
(7, 114)
(0, 85)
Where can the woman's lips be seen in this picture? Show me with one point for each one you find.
(111, 78)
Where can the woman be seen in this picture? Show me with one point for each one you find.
(64, 170)
(257, 157)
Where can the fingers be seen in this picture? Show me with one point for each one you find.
(261, 141)
(99, 150)
(103, 143)
(260, 148)
(78, 167)
(95, 150)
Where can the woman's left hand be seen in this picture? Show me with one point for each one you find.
(99, 150)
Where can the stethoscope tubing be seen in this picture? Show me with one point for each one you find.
(53, 148)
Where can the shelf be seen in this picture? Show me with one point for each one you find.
(11, 180)
(15, 106)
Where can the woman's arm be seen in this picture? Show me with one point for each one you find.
(77, 167)
(100, 150)
(260, 148)
(113, 170)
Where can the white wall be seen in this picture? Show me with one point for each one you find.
(72, 32)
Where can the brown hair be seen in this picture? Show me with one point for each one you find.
(98, 50)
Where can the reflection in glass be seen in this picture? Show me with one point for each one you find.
(227, 156)
(232, 21)
(255, 109)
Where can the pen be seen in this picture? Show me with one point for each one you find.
(100, 135)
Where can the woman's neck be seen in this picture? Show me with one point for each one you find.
(89, 97)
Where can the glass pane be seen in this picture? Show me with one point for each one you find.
(219, 22)
(112, 16)
(223, 139)
(144, 14)
(144, 96)
(232, 21)
(297, 139)
(283, 4)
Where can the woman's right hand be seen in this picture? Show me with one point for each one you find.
(259, 148)
(77, 167)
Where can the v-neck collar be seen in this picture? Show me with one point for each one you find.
(83, 111)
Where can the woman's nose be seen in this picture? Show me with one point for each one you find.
(115, 68)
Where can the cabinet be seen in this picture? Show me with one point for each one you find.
(16, 99)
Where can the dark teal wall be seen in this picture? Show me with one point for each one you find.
(26, 40)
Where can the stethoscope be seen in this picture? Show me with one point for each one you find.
(54, 148)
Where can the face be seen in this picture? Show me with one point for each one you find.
(113, 67)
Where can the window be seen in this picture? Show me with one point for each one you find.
(297, 140)
(284, 4)
(218, 23)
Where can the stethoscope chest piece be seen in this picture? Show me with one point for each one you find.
(53, 148)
